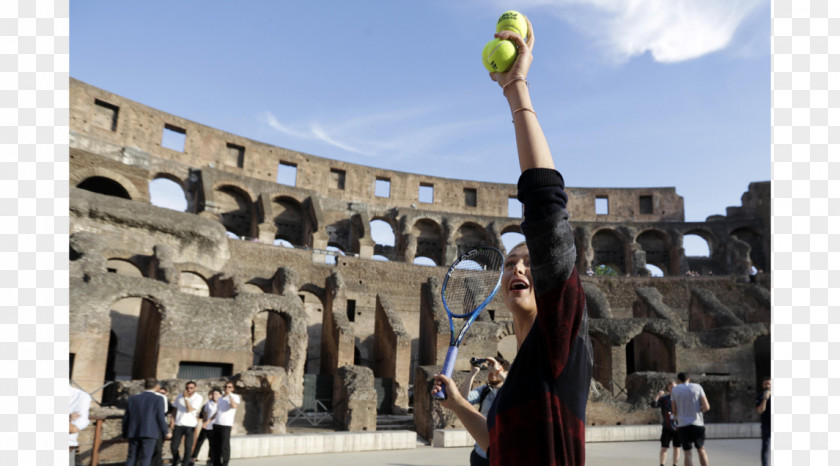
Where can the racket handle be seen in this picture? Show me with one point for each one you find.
(448, 367)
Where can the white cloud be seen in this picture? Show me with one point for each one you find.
(671, 30)
(404, 132)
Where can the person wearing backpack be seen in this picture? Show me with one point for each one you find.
(484, 395)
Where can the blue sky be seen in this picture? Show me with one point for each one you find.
(630, 93)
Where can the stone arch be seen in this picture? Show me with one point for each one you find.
(340, 234)
(236, 210)
(608, 245)
(147, 323)
(124, 315)
(313, 305)
(470, 235)
(103, 185)
(171, 177)
(83, 174)
(711, 239)
(177, 181)
(756, 242)
(510, 235)
(291, 221)
(270, 338)
(657, 249)
(649, 351)
(193, 283)
(430, 241)
(381, 239)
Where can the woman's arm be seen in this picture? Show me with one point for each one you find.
(530, 141)
(473, 421)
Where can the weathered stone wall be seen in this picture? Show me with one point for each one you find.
(392, 352)
(354, 398)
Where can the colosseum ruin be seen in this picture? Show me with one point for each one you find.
(282, 288)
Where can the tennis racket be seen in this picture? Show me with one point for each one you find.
(471, 282)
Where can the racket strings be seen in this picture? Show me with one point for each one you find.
(472, 281)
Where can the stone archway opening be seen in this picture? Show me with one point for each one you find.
(470, 235)
(103, 185)
(654, 270)
(167, 194)
(291, 222)
(269, 339)
(382, 234)
(194, 284)
(423, 260)
(657, 250)
(609, 250)
(510, 239)
(147, 342)
(314, 309)
(429, 241)
(650, 352)
(235, 211)
(696, 245)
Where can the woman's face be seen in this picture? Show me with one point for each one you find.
(517, 286)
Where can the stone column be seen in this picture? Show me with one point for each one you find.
(354, 398)
(392, 351)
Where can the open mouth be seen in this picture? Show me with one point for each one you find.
(518, 285)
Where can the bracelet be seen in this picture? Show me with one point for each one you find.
(497, 372)
(524, 109)
(513, 80)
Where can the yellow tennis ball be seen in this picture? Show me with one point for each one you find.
(498, 55)
(513, 21)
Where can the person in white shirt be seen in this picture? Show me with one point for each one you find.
(208, 418)
(187, 405)
(225, 415)
(688, 403)
(79, 412)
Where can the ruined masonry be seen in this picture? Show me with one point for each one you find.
(282, 289)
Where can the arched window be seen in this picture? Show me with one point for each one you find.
(511, 239)
(657, 250)
(168, 194)
(609, 250)
(383, 236)
(696, 246)
(423, 260)
(429, 240)
(106, 186)
(236, 211)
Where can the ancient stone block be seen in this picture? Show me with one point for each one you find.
(354, 398)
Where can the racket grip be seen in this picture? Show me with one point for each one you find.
(448, 367)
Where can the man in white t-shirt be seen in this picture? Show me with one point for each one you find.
(688, 403)
(225, 415)
(79, 412)
(209, 417)
(187, 406)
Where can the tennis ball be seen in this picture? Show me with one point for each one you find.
(498, 55)
(513, 21)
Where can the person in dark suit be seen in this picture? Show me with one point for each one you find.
(144, 421)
